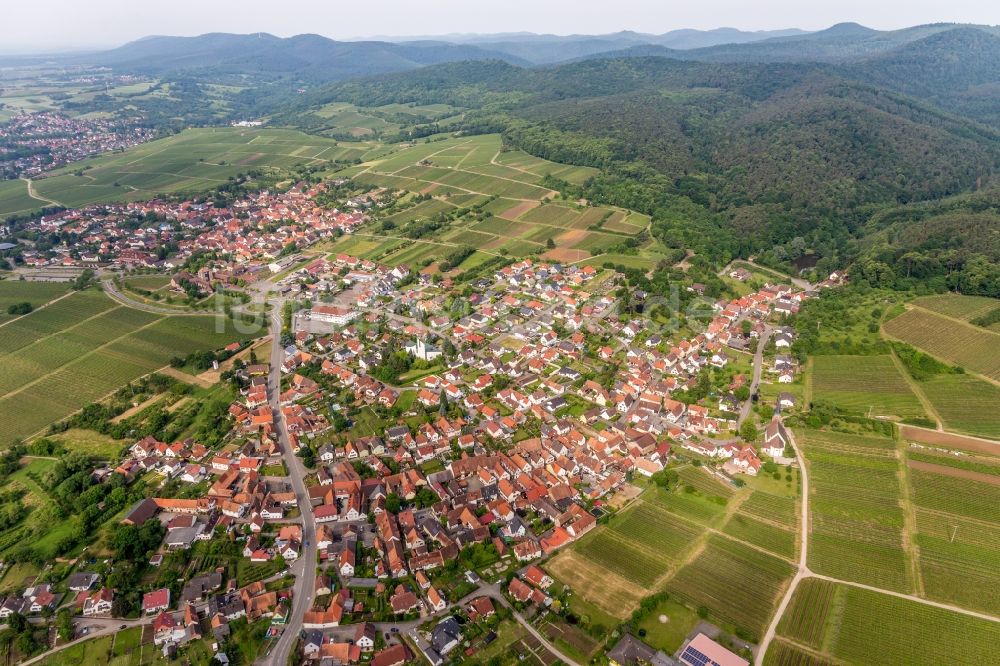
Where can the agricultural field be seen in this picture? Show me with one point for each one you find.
(865, 385)
(964, 403)
(192, 161)
(845, 624)
(634, 552)
(694, 506)
(856, 512)
(640, 544)
(966, 345)
(966, 308)
(83, 347)
(36, 293)
(513, 213)
(740, 586)
(763, 534)
(957, 507)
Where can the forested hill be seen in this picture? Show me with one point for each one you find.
(305, 58)
(735, 157)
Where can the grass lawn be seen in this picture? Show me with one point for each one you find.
(95, 652)
(90, 442)
(668, 635)
(127, 640)
(15, 575)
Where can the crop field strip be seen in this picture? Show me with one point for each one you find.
(949, 339)
(738, 584)
(64, 358)
(966, 308)
(965, 403)
(864, 383)
(459, 173)
(36, 293)
(856, 514)
(846, 624)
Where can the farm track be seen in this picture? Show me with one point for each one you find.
(804, 572)
(33, 195)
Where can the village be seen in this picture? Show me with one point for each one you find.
(494, 434)
(236, 245)
(33, 143)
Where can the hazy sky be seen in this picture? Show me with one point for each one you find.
(65, 24)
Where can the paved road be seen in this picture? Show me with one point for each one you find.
(98, 627)
(111, 290)
(758, 367)
(804, 285)
(304, 567)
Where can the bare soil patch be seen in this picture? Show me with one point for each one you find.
(518, 210)
(250, 159)
(138, 408)
(949, 439)
(944, 470)
(566, 255)
(186, 378)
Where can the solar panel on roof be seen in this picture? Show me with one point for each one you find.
(696, 657)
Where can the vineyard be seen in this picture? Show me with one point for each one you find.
(857, 626)
(492, 201)
(958, 538)
(639, 544)
(783, 510)
(770, 537)
(805, 619)
(965, 404)
(82, 348)
(880, 630)
(739, 585)
(963, 344)
(705, 483)
(783, 654)
(957, 306)
(35, 293)
(690, 505)
(856, 515)
(864, 384)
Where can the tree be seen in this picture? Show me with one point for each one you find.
(393, 503)
(551, 244)
(65, 624)
(748, 431)
(18, 309)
